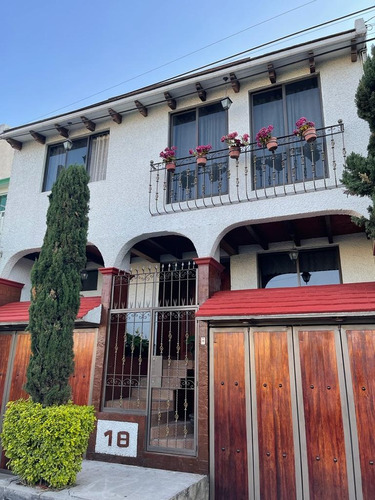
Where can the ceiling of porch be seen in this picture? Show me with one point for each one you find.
(263, 234)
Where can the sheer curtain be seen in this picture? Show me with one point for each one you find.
(268, 110)
(56, 162)
(97, 166)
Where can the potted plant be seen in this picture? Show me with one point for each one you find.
(169, 158)
(265, 138)
(235, 143)
(305, 129)
(200, 153)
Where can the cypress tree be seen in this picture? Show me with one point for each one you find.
(56, 284)
(359, 171)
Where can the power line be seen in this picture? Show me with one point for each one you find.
(210, 45)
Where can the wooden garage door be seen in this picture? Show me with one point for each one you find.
(308, 411)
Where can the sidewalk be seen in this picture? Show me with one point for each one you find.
(105, 481)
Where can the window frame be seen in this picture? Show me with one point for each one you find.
(195, 172)
(288, 127)
(88, 138)
(313, 249)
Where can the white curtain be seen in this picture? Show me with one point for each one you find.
(97, 167)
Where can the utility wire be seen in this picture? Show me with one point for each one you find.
(210, 45)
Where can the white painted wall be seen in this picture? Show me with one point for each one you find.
(119, 215)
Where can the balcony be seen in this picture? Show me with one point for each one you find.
(295, 167)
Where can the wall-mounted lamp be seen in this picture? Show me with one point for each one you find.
(68, 144)
(306, 276)
(227, 101)
(293, 254)
(84, 274)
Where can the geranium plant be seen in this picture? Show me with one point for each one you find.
(201, 150)
(233, 139)
(169, 154)
(264, 135)
(302, 125)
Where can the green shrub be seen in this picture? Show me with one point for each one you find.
(46, 445)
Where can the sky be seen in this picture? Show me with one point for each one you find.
(61, 56)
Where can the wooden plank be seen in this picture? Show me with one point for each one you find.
(277, 477)
(361, 347)
(20, 364)
(5, 343)
(84, 342)
(323, 415)
(231, 469)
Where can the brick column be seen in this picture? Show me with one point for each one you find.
(108, 273)
(209, 282)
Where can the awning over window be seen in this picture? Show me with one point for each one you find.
(352, 299)
(17, 313)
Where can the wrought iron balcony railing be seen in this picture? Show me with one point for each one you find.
(295, 167)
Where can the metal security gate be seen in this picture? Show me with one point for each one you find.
(151, 353)
(293, 413)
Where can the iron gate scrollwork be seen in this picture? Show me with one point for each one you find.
(151, 352)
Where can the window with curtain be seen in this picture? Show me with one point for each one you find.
(203, 125)
(309, 267)
(281, 107)
(90, 152)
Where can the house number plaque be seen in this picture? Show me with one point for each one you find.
(116, 438)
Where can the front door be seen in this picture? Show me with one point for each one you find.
(285, 407)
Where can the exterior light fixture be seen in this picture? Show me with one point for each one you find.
(293, 255)
(68, 144)
(306, 276)
(84, 275)
(226, 102)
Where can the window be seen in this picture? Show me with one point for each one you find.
(310, 267)
(3, 202)
(90, 151)
(91, 282)
(281, 107)
(204, 125)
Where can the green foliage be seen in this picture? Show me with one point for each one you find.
(359, 172)
(56, 284)
(45, 445)
(365, 95)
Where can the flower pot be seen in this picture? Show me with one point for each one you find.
(171, 167)
(201, 161)
(272, 144)
(309, 134)
(234, 152)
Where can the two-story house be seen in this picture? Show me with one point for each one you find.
(227, 318)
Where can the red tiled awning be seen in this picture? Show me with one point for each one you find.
(18, 312)
(326, 300)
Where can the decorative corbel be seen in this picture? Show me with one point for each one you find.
(271, 73)
(142, 109)
(235, 83)
(64, 132)
(116, 117)
(90, 125)
(15, 144)
(353, 50)
(312, 62)
(201, 92)
(38, 137)
(171, 102)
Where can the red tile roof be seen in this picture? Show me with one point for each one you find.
(349, 298)
(18, 312)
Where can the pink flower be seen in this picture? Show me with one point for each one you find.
(233, 139)
(264, 135)
(169, 154)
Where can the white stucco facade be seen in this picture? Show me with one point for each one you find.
(119, 205)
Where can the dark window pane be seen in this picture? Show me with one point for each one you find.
(78, 154)
(91, 282)
(315, 267)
